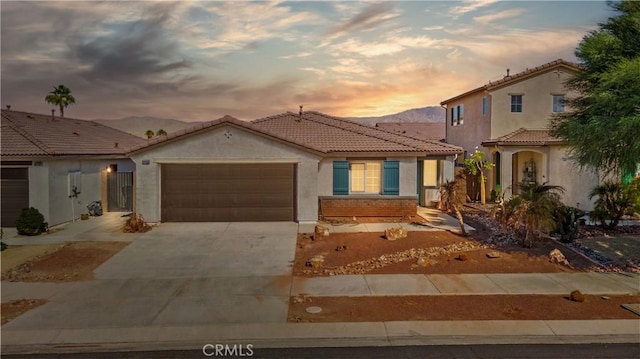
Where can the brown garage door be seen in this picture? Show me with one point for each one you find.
(15, 194)
(228, 192)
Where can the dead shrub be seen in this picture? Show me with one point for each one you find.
(136, 224)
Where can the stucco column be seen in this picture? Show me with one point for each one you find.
(506, 175)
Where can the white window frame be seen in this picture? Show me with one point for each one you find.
(366, 175)
(435, 164)
(560, 103)
(511, 103)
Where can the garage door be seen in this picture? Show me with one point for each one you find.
(228, 192)
(15, 194)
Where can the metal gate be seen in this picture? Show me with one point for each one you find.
(120, 192)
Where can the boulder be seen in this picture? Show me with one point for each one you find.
(320, 232)
(316, 261)
(426, 262)
(555, 256)
(493, 255)
(394, 233)
(577, 296)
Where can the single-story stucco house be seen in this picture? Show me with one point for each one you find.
(288, 167)
(45, 157)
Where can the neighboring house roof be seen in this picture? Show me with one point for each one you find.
(524, 137)
(328, 134)
(33, 135)
(420, 130)
(322, 134)
(508, 80)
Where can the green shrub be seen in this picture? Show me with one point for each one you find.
(530, 213)
(615, 199)
(3, 246)
(31, 222)
(568, 219)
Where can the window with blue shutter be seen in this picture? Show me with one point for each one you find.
(340, 178)
(391, 172)
(485, 106)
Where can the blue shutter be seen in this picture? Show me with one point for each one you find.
(340, 177)
(391, 172)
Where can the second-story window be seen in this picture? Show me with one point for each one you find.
(558, 103)
(460, 119)
(485, 106)
(516, 103)
(454, 115)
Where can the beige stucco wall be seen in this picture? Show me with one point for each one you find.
(225, 144)
(553, 167)
(48, 186)
(408, 174)
(475, 128)
(577, 183)
(537, 102)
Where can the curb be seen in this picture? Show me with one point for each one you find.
(296, 335)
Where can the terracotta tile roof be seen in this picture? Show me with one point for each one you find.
(322, 134)
(524, 136)
(518, 77)
(328, 134)
(27, 134)
(420, 130)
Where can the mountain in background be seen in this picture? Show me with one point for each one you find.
(138, 126)
(430, 114)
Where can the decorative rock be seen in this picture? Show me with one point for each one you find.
(605, 297)
(493, 255)
(425, 262)
(576, 296)
(462, 257)
(394, 233)
(313, 310)
(341, 248)
(316, 261)
(320, 232)
(555, 256)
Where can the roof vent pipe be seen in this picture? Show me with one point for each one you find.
(507, 73)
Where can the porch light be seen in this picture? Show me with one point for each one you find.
(108, 169)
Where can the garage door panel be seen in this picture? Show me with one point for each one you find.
(228, 192)
(15, 194)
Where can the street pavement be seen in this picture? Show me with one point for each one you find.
(181, 286)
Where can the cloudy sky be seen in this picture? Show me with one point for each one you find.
(201, 60)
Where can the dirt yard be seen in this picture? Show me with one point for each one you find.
(356, 253)
(480, 307)
(69, 262)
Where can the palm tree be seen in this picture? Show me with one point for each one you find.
(60, 96)
(614, 200)
(149, 134)
(161, 132)
(531, 212)
(453, 196)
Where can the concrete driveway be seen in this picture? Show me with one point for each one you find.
(181, 274)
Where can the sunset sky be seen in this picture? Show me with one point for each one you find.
(201, 60)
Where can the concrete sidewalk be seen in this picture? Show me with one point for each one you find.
(468, 284)
(435, 221)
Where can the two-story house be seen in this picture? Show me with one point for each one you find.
(508, 120)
